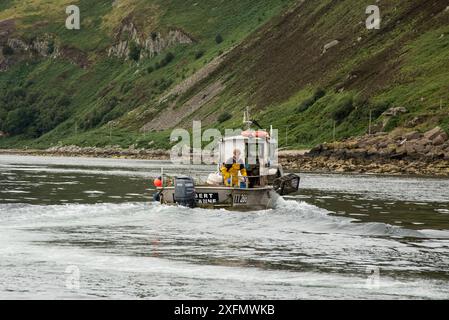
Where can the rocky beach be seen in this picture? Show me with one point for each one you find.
(398, 152)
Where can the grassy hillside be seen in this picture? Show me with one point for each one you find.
(66, 87)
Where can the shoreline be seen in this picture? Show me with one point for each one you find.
(91, 152)
(291, 160)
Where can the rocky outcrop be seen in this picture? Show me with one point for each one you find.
(151, 45)
(393, 112)
(7, 27)
(325, 164)
(398, 152)
(43, 46)
(433, 144)
(156, 42)
(329, 45)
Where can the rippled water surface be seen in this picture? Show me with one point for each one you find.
(341, 236)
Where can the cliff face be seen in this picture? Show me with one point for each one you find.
(140, 68)
(150, 45)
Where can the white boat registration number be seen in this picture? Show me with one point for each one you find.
(240, 198)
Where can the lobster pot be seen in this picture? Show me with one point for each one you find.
(287, 184)
(185, 192)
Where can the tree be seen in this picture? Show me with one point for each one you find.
(153, 36)
(169, 58)
(199, 54)
(7, 50)
(224, 117)
(51, 48)
(218, 39)
(17, 120)
(306, 104)
(134, 51)
(343, 109)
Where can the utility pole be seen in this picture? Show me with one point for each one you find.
(333, 133)
(369, 126)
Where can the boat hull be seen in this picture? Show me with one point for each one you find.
(215, 197)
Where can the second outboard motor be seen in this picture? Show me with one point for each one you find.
(185, 192)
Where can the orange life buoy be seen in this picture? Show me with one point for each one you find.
(261, 134)
(255, 134)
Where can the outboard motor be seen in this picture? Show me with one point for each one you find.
(157, 197)
(287, 184)
(185, 192)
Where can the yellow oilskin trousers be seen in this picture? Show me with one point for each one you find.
(229, 171)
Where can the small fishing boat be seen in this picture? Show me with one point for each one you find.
(259, 182)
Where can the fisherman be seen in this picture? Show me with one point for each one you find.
(231, 168)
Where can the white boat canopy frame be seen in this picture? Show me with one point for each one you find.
(254, 151)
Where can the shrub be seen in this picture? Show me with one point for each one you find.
(153, 35)
(101, 114)
(7, 51)
(48, 118)
(391, 124)
(306, 104)
(3, 115)
(199, 54)
(218, 39)
(126, 86)
(343, 109)
(163, 84)
(168, 58)
(63, 101)
(50, 48)
(29, 83)
(111, 103)
(19, 92)
(150, 69)
(18, 120)
(134, 51)
(378, 108)
(319, 93)
(225, 116)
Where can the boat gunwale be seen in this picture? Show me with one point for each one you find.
(221, 188)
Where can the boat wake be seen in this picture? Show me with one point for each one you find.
(288, 217)
(297, 245)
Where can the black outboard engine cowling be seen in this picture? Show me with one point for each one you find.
(185, 192)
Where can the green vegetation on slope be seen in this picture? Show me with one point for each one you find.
(61, 101)
(275, 64)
